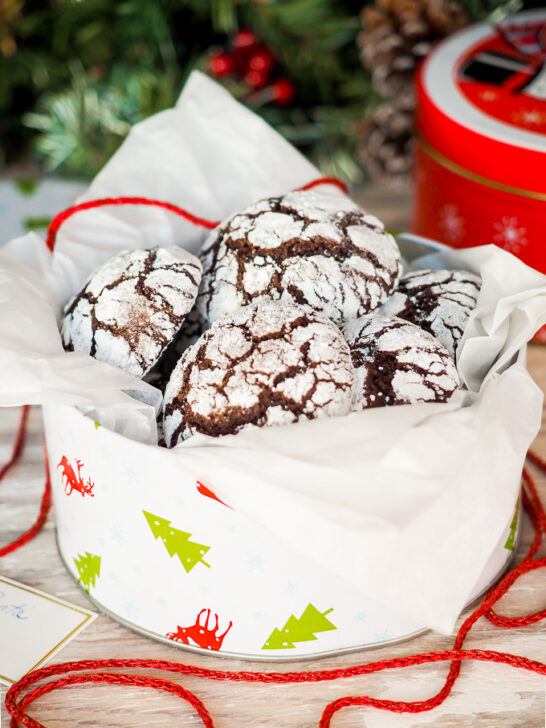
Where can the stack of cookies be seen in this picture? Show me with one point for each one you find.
(294, 310)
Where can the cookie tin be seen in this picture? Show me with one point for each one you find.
(480, 167)
(157, 551)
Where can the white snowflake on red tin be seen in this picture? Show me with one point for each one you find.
(488, 95)
(510, 235)
(530, 117)
(451, 223)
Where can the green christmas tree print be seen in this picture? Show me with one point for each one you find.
(177, 542)
(88, 566)
(511, 540)
(299, 630)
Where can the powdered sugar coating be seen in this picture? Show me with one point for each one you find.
(396, 362)
(268, 364)
(305, 247)
(132, 307)
(439, 301)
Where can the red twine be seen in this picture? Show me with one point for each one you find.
(20, 696)
(46, 497)
(63, 216)
(19, 443)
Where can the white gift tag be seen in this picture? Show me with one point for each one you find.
(33, 627)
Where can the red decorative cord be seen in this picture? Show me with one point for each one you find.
(21, 695)
(538, 461)
(325, 181)
(61, 218)
(46, 497)
(19, 443)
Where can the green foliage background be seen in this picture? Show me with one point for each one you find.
(76, 74)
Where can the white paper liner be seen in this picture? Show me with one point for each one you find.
(405, 502)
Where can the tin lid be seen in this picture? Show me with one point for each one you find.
(482, 103)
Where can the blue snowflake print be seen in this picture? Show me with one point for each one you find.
(130, 473)
(113, 577)
(104, 454)
(116, 535)
(255, 562)
(130, 609)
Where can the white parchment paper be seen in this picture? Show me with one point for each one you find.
(405, 502)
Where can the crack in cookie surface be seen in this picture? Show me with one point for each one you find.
(396, 362)
(264, 365)
(132, 307)
(306, 248)
(439, 301)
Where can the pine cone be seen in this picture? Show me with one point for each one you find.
(385, 149)
(395, 36)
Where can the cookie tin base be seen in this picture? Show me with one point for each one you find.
(393, 640)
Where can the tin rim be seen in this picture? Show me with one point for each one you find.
(458, 131)
(441, 88)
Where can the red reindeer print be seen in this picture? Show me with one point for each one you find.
(201, 488)
(200, 634)
(73, 481)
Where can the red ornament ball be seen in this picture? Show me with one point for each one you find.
(256, 79)
(283, 91)
(261, 60)
(220, 64)
(244, 38)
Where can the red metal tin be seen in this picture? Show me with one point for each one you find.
(480, 168)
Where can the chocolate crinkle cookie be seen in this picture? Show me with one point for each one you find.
(132, 307)
(307, 248)
(396, 362)
(439, 301)
(268, 364)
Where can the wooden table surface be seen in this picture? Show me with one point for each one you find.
(493, 696)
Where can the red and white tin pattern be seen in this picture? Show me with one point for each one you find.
(480, 168)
